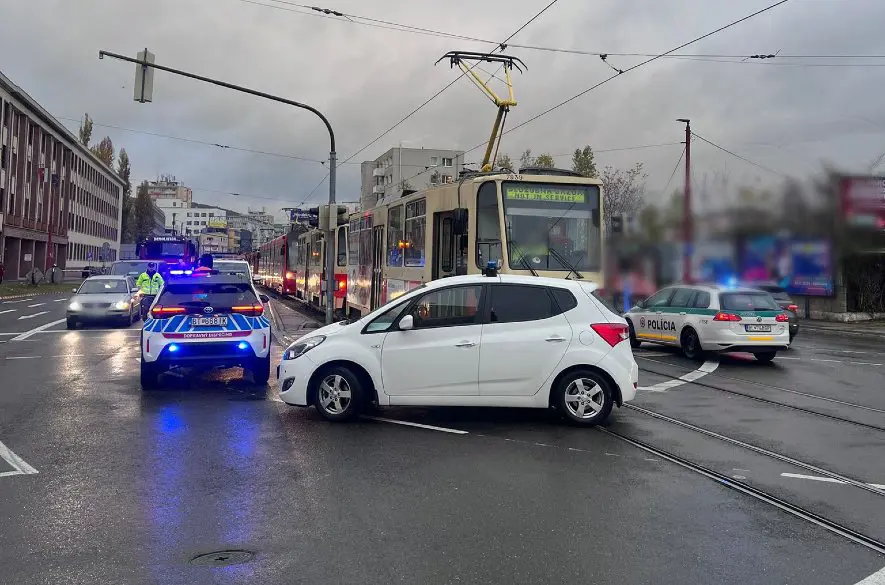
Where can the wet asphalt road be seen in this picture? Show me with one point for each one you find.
(131, 485)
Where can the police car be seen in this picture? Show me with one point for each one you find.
(702, 318)
(205, 320)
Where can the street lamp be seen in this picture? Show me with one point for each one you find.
(144, 89)
(687, 228)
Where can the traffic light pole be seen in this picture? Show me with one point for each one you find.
(333, 157)
(330, 240)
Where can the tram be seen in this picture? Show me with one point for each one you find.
(542, 222)
(272, 265)
(308, 253)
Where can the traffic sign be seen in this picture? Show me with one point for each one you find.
(144, 77)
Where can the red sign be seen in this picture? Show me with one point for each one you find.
(863, 201)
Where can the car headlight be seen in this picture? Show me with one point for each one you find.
(75, 306)
(122, 305)
(302, 346)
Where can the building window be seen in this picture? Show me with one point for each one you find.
(434, 160)
(414, 228)
(447, 162)
(395, 236)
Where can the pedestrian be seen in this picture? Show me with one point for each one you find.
(150, 282)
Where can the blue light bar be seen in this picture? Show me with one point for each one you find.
(180, 272)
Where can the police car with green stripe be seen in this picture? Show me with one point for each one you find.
(711, 318)
(205, 320)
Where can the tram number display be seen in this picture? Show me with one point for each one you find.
(544, 194)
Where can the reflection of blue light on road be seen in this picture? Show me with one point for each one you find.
(169, 420)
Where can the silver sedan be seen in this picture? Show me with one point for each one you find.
(104, 298)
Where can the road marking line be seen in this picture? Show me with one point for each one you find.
(59, 300)
(21, 300)
(8, 311)
(827, 479)
(655, 354)
(22, 357)
(27, 334)
(419, 425)
(32, 316)
(707, 367)
(786, 358)
(15, 461)
(877, 578)
(36, 305)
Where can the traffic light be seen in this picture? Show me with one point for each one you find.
(314, 219)
(340, 216)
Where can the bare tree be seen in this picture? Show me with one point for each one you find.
(623, 190)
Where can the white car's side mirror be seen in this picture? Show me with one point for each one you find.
(406, 323)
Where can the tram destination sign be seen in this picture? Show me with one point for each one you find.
(540, 193)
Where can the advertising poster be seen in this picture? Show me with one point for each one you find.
(812, 268)
(767, 259)
(713, 261)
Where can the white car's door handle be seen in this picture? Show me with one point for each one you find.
(683, 314)
(555, 338)
(465, 344)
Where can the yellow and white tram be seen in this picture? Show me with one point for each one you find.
(546, 222)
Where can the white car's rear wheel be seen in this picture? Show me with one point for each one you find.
(338, 394)
(584, 397)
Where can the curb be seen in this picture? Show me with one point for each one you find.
(834, 331)
(34, 294)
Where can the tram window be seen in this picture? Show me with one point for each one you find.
(488, 225)
(342, 246)
(415, 232)
(446, 245)
(395, 236)
(353, 243)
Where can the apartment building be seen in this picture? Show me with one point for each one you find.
(407, 168)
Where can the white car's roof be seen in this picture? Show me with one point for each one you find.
(108, 277)
(514, 279)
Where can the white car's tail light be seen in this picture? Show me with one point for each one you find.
(612, 333)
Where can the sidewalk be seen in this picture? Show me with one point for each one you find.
(874, 329)
(289, 324)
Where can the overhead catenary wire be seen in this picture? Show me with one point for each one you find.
(673, 174)
(637, 66)
(746, 160)
(406, 28)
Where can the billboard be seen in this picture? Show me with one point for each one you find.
(217, 223)
(803, 266)
(863, 201)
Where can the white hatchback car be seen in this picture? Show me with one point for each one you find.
(512, 341)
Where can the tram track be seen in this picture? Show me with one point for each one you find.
(777, 402)
(756, 493)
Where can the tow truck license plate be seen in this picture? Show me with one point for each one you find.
(209, 321)
(758, 328)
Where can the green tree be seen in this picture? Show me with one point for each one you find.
(623, 190)
(504, 162)
(545, 160)
(86, 131)
(526, 160)
(124, 171)
(104, 150)
(142, 213)
(582, 162)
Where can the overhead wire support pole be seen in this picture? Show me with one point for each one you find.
(687, 225)
(333, 156)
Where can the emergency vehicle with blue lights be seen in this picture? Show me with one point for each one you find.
(206, 320)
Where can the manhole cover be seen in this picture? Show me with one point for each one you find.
(223, 558)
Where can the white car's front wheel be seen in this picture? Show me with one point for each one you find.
(337, 396)
(584, 397)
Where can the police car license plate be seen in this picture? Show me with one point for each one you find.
(758, 328)
(209, 321)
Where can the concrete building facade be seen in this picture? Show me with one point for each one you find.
(59, 204)
(407, 168)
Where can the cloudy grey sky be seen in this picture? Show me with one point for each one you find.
(789, 114)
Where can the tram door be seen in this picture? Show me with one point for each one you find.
(378, 248)
(443, 245)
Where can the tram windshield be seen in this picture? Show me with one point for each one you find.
(552, 226)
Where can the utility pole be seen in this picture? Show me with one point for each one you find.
(687, 227)
(143, 93)
(330, 241)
